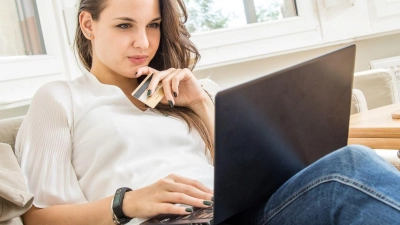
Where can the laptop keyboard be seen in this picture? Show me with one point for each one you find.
(199, 213)
(205, 215)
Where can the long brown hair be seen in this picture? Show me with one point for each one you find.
(175, 51)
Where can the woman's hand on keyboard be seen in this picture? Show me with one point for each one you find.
(161, 197)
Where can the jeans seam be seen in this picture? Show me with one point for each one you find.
(334, 177)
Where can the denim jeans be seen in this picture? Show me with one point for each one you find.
(352, 185)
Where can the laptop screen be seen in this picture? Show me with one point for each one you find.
(270, 128)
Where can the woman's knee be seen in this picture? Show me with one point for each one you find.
(354, 153)
(349, 158)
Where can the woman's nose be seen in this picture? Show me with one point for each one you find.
(141, 40)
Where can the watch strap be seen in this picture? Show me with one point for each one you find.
(117, 205)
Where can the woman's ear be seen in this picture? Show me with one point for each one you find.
(86, 23)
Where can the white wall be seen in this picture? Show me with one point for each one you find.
(367, 50)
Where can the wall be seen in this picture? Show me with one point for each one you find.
(367, 50)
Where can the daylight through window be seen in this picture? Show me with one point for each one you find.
(205, 15)
(20, 31)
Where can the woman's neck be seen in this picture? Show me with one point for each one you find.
(107, 76)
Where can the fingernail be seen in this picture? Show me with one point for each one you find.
(170, 103)
(175, 94)
(207, 203)
(212, 198)
(189, 210)
(148, 92)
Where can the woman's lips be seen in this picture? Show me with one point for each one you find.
(138, 59)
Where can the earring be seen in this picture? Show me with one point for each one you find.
(88, 34)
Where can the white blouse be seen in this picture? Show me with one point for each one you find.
(81, 140)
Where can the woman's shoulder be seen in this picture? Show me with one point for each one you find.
(51, 99)
(68, 96)
(59, 90)
(55, 90)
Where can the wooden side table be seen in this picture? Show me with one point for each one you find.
(376, 128)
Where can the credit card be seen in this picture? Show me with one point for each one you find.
(141, 92)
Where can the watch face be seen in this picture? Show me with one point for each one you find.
(117, 200)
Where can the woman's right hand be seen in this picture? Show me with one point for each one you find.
(161, 197)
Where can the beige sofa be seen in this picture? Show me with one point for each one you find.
(14, 198)
(378, 86)
(358, 102)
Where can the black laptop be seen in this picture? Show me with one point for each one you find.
(268, 129)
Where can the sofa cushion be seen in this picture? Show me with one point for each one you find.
(14, 197)
(379, 87)
(9, 129)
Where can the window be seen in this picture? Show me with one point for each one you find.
(281, 25)
(31, 49)
(207, 15)
(20, 28)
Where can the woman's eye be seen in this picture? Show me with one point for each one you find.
(124, 26)
(154, 25)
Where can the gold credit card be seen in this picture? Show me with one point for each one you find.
(141, 92)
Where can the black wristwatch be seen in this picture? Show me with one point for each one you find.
(118, 216)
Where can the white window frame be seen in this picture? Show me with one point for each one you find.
(252, 41)
(312, 28)
(387, 7)
(384, 15)
(16, 71)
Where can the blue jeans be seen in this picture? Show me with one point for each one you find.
(352, 185)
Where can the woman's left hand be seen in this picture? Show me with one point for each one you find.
(180, 86)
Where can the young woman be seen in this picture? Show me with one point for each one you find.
(84, 139)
